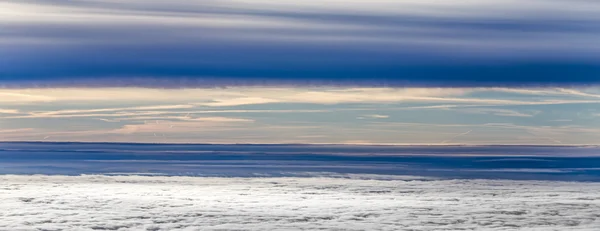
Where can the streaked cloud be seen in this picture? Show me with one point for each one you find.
(562, 120)
(375, 116)
(217, 97)
(240, 101)
(500, 112)
(456, 136)
(139, 108)
(16, 130)
(291, 42)
(191, 125)
(9, 111)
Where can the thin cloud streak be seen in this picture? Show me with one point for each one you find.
(498, 112)
(251, 95)
(9, 111)
(83, 111)
(458, 135)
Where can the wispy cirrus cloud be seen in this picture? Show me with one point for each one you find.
(16, 130)
(374, 116)
(239, 101)
(217, 97)
(499, 112)
(562, 120)
(456, 136)
(190, 125)
(85, 111)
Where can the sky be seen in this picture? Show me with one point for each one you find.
(290, 71)
(549, 116)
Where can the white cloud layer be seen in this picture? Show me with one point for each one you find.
(315, 203)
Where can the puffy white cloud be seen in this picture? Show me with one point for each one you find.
(317, 202)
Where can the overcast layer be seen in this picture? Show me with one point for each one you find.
(231, 42)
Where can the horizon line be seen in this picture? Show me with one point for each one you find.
(309, 144)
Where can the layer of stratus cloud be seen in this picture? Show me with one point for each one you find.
(181, 203)
(303, 115)
(456, 42)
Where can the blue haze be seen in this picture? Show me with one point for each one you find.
(446, 162)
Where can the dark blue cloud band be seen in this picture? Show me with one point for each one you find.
(217, 43)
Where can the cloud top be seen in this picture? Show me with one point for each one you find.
(168, 203)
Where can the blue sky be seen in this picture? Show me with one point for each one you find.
(290, 71)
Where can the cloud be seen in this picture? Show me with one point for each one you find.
(562, 120)
(188, 124)
(22, 97)
(32, 95)
(137, 108)
(487, 133)
(218, 119)
(9, 131)
(162, 115)
(456, 136)
(545, 136)
(578, 93)
(239, 101)
(9, 111)
(237, 96)
(547, 91)
(375, 116)
(123, 111)
(499, 112)
(315, 202)
(292, 42)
